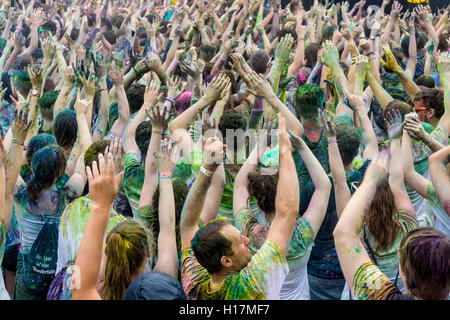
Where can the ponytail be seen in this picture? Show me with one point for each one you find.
(126, 248)
(34, 188)
(117, 271)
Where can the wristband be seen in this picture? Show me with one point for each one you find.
(170, 99)
(15, 142)
(369, 53)
(332, 140)
(165, 176)
(206, 172)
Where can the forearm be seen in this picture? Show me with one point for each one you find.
(12, 59)
(171, 53)
(412, 60)
(387, 31)
(412, 89)
(130, 143)
(341, 190)
(382, 96)
(151, 170)
(12, 170)
(190, 216)
(439, 177)
(396, 174)
(167, 244)
(61, 101)
(299, 57)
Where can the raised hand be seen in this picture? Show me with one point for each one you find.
(394, 124)
(284, 48)
(213, 152)
(99, 64)
(192, 69)
(215, 88)
(116, 75)
(175, 87)
(115, 148)
(90, 85)
(151, 93)
(103, 183)
(158, 118)
(20, 127)
(37, 75)
(390, 63)
(284, 139)
(260, 87)
(330, 54)
(327, 123)
(117, 58)
(48, 49)
(378, 168)
(167, 157)
(81, 105)
(396, 9)
(443, 65)
(414, 127)
(69, 75)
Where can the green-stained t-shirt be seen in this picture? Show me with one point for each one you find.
(133, 180)
(72, 225)
(295, 287)
(369, 283)
(261, 279)
(387, 260)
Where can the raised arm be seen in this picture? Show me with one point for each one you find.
(159, 125)
(14, 161)
(167, 243)
(288, 194)
(282, 53)
(262, 88)
(349, 248)
(121, 123)
(241, 194)
(370, 139)
(444, 72)
(190, 216)
(150, 98)
(413, 178)
(103, 188)
(341, 191)
(319, 201)
(396, 175)
(391, 64)
(440, 177)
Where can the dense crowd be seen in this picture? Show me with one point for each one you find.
(224, 150)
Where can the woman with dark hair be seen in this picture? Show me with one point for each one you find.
(263, 186)
(423, 253)
(39, 204)
(389, 215)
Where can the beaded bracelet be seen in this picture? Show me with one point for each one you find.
(332, 140)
